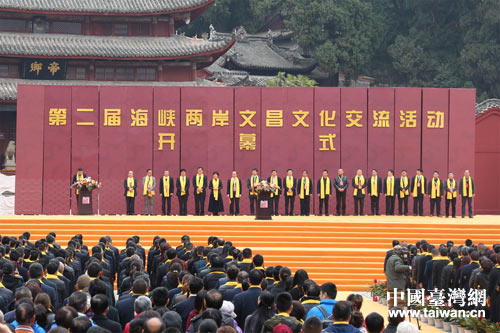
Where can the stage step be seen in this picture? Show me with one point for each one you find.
(348, 250)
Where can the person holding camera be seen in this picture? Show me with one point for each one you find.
(397, 276)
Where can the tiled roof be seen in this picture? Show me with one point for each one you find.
(102, 6)
(492, 103)
(8, 87)
(104, 47)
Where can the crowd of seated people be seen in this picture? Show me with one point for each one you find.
(46, 287)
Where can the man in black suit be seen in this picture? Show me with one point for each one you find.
(130, 186)
(403, 193)
(62, 290)
(359, 185)
(290, 185)
(211, 280)
(435, 190)
(252, 181)
(467, 190)
(234, 194)
(245, 303)
(341, 183)
(275, 197)
(182, 185)
(200, 187)
(305, 189)
(80, 175)
(463, 280)
(324, 189)
(374, 188)
(125, 304)
(418, 183)
(36, 272)
(390, 190)
(184, 308)
(99, 305)
(166, 192)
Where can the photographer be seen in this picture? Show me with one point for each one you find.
(397, 275)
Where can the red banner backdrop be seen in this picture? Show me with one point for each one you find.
(110, 130)
(166, 139)
(84, 134)
(57, 150)
(247, 137)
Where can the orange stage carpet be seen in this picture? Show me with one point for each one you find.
(347, 250)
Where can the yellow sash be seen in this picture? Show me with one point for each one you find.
(148, 183)
(390, 189)
(306, 185)
(130, 184)
(466, 193)
(166, 186)
(231, 192)
(199, 183)
(415, 187)
(362, 182)
(274, 180)
(289, 185)
(435, 188)
(252, 184)
(215, 187)
(374, 187)
(451, 185)
(403, 183)
(182, 180)
(324, 191)
(78, 178)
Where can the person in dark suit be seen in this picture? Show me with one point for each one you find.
(211, 280)
(99, 305)
(375, 190)
(359, 185)
(182, 185)
(78, 176)
(466, 273)
(439, 264)
(435, 190)
(234, 194)
(390, 190)
(467, 190)
(275, 197)
(184, 308)
(216, 202)
(200, 187)
(290, 184)
(450, 189)
(341, 183)
(252, 181)
(36, 272)
(305, 189)
(403, 193)
(166, 192)
(418, 183)
(324, 190)
(130, 186)
(246, 302)
(125, 304)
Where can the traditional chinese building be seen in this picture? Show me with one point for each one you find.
(98, 42)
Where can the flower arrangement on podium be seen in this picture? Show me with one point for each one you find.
(265, 187)
(87, 183)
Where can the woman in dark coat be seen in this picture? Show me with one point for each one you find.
(215, 205)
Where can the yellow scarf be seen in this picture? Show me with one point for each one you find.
(451, 185)
(390, 186)
(78, 178)
(252, 184)
(199, 183)
(403, 183)
(52, 277)
(166, 186)
(466, 193)
(130, 184)
(215, 187)
(182, 180)
(289, 185)
(148, 184)
(435, 188)
(422, 187)
(274, 180)
(306, 185)
(232, 193)
(374, 186)
(361, 182)
(324, 191)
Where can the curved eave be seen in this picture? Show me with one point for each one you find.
(199, 9)
(297, 69)
(216, 52)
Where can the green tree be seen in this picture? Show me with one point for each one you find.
(289, 80)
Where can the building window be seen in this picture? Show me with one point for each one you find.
(67, 28)
(124, 74)
(121, 29)
(105, 74)
(146, 74)
(76, 73)
(103, 29)
(12, 25)
(140, 29)
(4, 70)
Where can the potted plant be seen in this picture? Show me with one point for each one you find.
(447, 324)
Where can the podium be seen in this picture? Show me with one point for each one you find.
(84, 202)
(263, 211)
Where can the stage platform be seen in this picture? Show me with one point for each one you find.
(347, 250)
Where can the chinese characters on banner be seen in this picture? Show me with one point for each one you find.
(44, 69)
